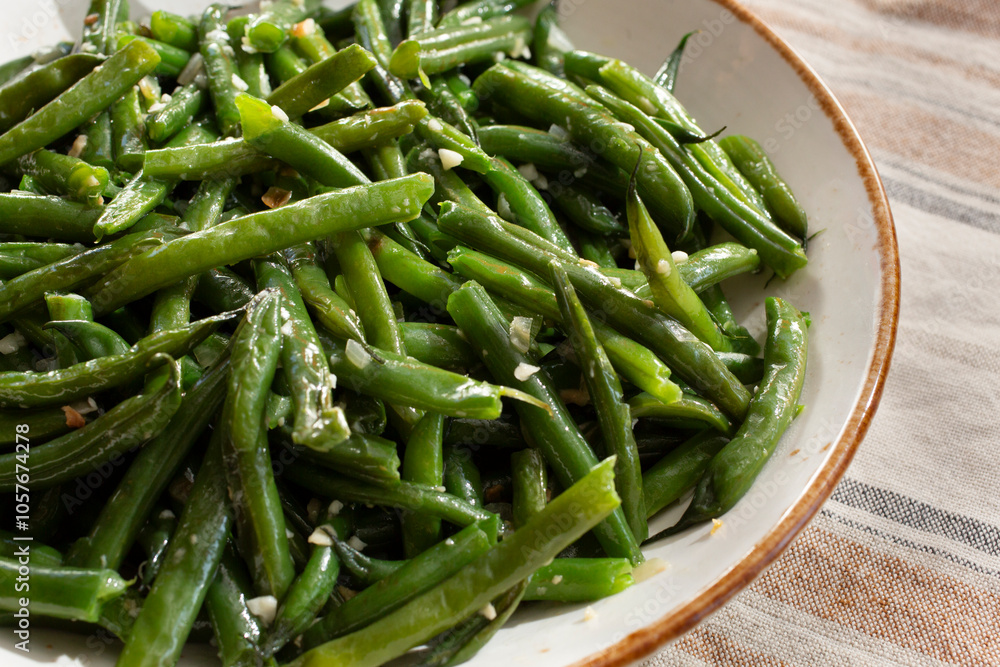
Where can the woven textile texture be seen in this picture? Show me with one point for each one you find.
(902, 565)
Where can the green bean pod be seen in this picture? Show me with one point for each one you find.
(28, 390)
(552, 429)
(269, 29)
(321, 81)
(326, 305)
(605, 390)
(547, 98)
(260, 234)
(446, 48)
(65, 175)
(689, 411)
(132, 422)
(185, 103)
(438, 345)
(579, 579)
(60, 592)
(91, 94)
(113, 532)
(189, 567)
(174, 30)
(423, 463)
(733, 470)
(566, 518)
(750, 158)
(238, 633)
(220, 68)
(418, 575)
(21, 96)
(679, 471)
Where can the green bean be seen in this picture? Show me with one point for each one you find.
(305, 598)
(69, 273)
(405, 495)
(689, 411)
(68, 307)
(743, 342)
(448, 47)
(419, 574)
(596, 249)
(321, 81)
(585, 210)
(556, 101)
(60, 592)
(552, 430)
(529, 209)
(404, 380)
(671, 294)
(318, 424)
(692, 360)
(41, 554)
(42, 424)
(273, 134)
(174, 30)
(638, 89)
(365, 569)
(328, 307)
(268, 30)
(776, 248)
(553, 154)
(185, 103)
(139, 197)
(605, 390)
(190, 565)
(636, 363)
(468, 12)
(173, 59)
(666, 76)
(22, 96)
(368, 291)
(421, 16)
(92, 339)
(79, 381)
(756, 166)
(262, 233)
(12, 69)
(577, 510)
(237, 631)
(550, 44)
(579, 579)
(154, 538)
(93, 93)
(679, 471)
(461, 476)
(367, 458)
(438, 345)
(462, 642)
(65, 175)
(447, 106)
(259, 520)
(17, 258)
(222, 290)
(250, 65)
(130, 423)
(315, 47)
(113, 532)
(423, 463)
(530, 482)
(220, 68)
(732, 471)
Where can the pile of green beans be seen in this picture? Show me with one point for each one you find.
(328, 335)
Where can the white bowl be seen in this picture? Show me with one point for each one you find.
(739, 74)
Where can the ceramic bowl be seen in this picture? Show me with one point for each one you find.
(738, 73)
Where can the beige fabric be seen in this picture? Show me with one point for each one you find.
(902, 566)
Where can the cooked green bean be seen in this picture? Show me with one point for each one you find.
(677, 473)
(59, 592)
(423, 463)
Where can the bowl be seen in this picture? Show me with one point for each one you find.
(737, 73)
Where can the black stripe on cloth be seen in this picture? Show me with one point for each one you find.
(941, 206)
(953, 187)
(918, 515)
(910, 544)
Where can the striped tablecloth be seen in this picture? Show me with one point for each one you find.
(902, 565)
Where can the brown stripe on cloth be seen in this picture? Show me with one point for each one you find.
(979, 16)
(883, 596)
(720, 650)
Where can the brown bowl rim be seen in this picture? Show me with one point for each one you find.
(671, 626)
